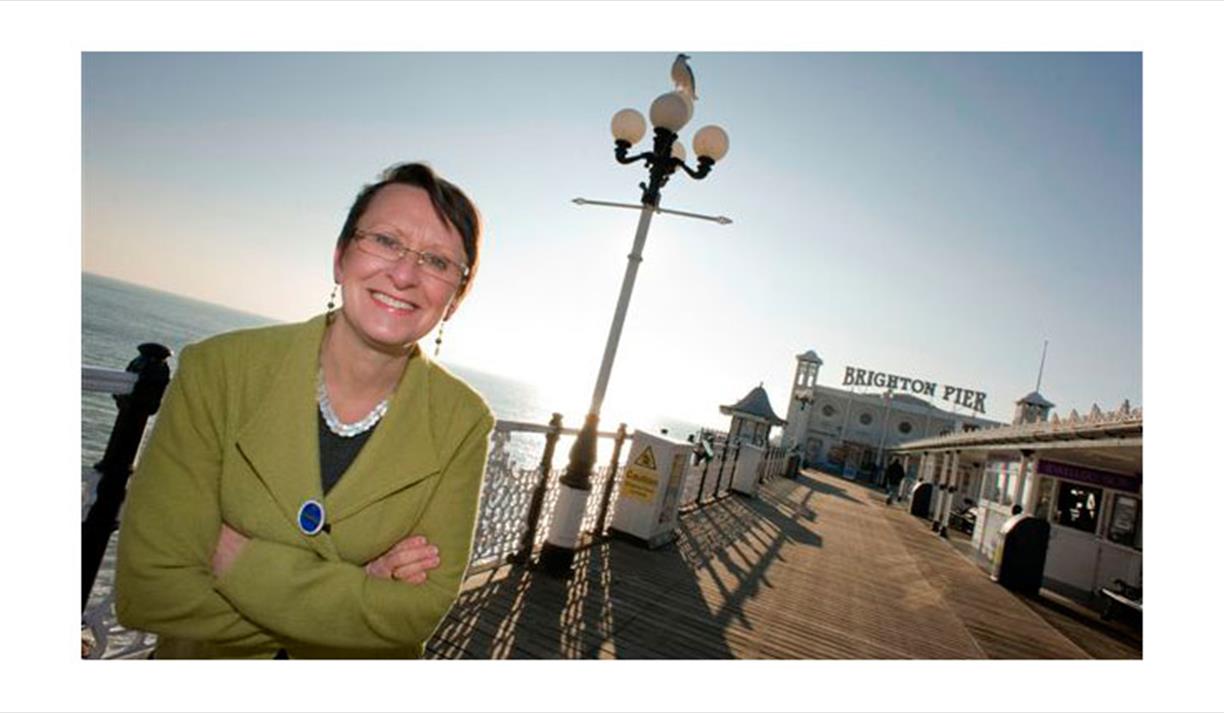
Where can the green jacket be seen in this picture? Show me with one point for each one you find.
(236, 441)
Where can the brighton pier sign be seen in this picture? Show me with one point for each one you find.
(973, 400)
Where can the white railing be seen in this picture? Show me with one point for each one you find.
(107, 381)
(773, 464)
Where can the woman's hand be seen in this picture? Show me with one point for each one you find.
(409, 560)
(229, 545)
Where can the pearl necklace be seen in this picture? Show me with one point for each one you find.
(346, 430)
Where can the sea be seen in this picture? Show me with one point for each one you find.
(118, 316)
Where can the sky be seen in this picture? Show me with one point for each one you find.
(934, 215)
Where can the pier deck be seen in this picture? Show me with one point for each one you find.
(816, 567)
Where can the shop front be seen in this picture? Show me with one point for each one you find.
(1097, 528)
(1082, 475)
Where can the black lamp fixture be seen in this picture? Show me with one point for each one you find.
(668, 113)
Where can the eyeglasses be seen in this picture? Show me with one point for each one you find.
(383, 246)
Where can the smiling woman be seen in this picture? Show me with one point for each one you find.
(311, 490)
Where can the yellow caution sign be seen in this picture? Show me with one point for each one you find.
(639, 483)
(646, 459)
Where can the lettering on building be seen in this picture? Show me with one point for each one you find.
(970, 399)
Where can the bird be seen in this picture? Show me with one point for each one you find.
(682, 75)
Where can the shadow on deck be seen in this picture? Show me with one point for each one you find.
(816, 567)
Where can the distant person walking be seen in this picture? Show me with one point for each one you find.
(893, 477)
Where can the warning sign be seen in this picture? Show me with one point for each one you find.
(646, 459)
(639, 483)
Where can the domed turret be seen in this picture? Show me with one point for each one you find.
(1031, 409)
(752, 417)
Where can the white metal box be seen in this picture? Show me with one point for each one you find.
(649, 499)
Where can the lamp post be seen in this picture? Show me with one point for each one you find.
(805, 397)
(668, 113)
(888, 396)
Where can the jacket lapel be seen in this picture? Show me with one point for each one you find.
(399, 453)
(281, 441)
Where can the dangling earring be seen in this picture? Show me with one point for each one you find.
(438, 340)
(331, 304)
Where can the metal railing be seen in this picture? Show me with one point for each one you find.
(517, 504)
(710, 479)
(773, 464)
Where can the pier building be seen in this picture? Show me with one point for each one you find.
(851, 431)
(1083, 475)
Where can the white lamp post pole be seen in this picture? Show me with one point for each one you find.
(669, 113)
(622, 307)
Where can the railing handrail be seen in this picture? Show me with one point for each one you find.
(107, 381)
(528, 427)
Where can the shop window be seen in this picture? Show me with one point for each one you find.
(1124, 522)
(828, 411)
(1001, 478)
(1078, 506)
(1045, 499)
(990, 490)
(905, 427)
(865, 419)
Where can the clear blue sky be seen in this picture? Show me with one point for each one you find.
(934, 215)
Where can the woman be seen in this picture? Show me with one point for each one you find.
(311, 490)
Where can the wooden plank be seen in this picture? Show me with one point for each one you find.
(815, 568)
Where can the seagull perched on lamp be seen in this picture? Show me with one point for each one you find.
(682, 75)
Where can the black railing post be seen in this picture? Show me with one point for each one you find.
(705, 470)
(610, 481)
(523, 556)
(722, 463)
(153, 374)
(734, 465)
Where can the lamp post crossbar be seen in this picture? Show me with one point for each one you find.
(720, 219)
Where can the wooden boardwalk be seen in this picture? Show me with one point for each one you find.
(815, 568)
